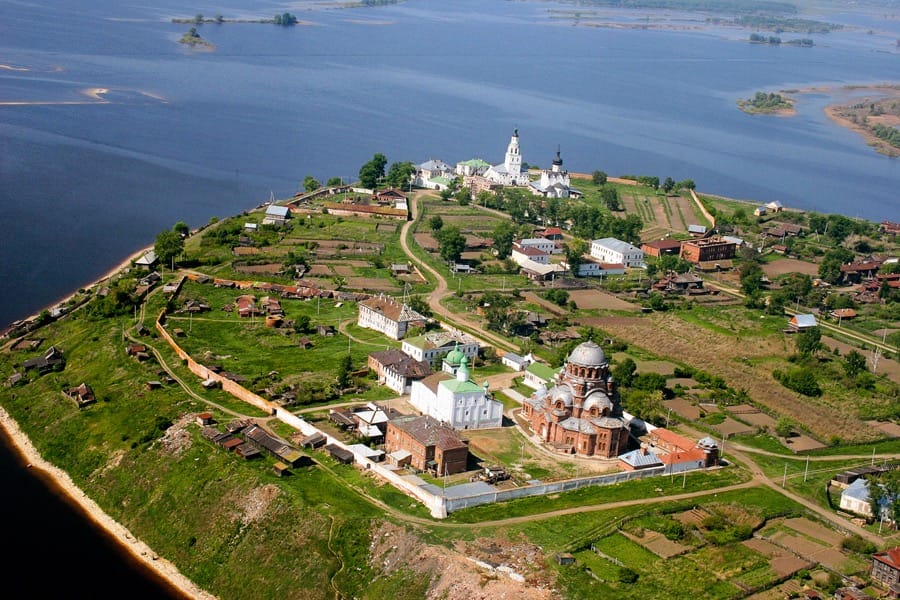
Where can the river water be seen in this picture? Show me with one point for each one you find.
(182, 134)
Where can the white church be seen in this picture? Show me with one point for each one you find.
(554, 182)
(509, 172)
(456, 399)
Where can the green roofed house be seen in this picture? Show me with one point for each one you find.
(457, 400)
(471, 167)
(538, 374)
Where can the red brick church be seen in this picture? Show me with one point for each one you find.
(580, 414)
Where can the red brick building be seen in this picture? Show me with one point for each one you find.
(659, 248)
(707, 250)
(432, 445)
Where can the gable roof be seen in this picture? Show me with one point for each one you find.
(429, 432)
(274, 210)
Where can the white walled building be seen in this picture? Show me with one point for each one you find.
(522, 254)
(471, 168)
(547, 245)
(457, 401)
(611, 250)
(509, 172)
(393, 319)
(435, 344)
(433, 174)
(592, 268)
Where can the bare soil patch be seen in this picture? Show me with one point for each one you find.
(319, 271)
(426, 241)
(684, 409)
(371, 283)
(788, 565)
(765, 547)
(596, 299)
(803, 443)
(655, 366)
(890, 429)
(759, 419)
(815, 530)
(343, 270)
(730, 427)
(268, 269)
(790, 265)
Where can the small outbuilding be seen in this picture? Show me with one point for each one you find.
(339, 454)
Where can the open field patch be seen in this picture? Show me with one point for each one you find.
(800, 442)
(596, 299)
(813, 529)
(370, 283)
(889, 429)
(730, 427)
(790, 265)
(788, 565)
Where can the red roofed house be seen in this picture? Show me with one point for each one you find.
(886, 569)
(552, 233)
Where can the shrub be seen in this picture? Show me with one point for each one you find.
(801, 380)
(627, 575)
(855, 543)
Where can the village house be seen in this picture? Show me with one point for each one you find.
(552, 233)
(523, 254)
(82, 395)
(272, 444)
(639, 459)
(886, 570)
(426, 445)
(386, 315)
(580, 414)
(697, 231)
(803, 322)
(516, 362)
(433, 174)
(541, 243)
(433, 345)
(246, 306)
(856, 272)
(147, 261)
(397, 370)
(276, 215)
(457, 400)
(613, 251)
(538, 374)
(51, 360)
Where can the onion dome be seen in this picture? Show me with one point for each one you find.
(588, 354)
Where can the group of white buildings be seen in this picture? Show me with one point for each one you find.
(478, 174)
(447, 394)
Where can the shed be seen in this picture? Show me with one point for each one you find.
(280, 469)
(340, 454)
(205, 418)
(802, 322)
(565, 559)
(314, 440)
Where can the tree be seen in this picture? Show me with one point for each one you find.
(400, 174)
(854, 363)
(830, 267)
(310, 183)
(809, 342)
(464, 196)
(344, 369)
(373, 171)
(751, 277)
(285, 19)
(435, 223)
(301, 324)
(334, 182)
(623, 372)
(599, 177)
(503, 235)
(451, 243)
(784, 427)
(575, 251)
(610, 198)
(169, 244)
(668, 185)
(181, 228)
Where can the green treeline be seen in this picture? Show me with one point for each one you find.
(887, 133)
(785, 24)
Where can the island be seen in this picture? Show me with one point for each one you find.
(478, 379)
(193, 38)
(768, 104)
(876, 117)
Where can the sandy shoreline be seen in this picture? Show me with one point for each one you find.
(138, 549)
(135, 547)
